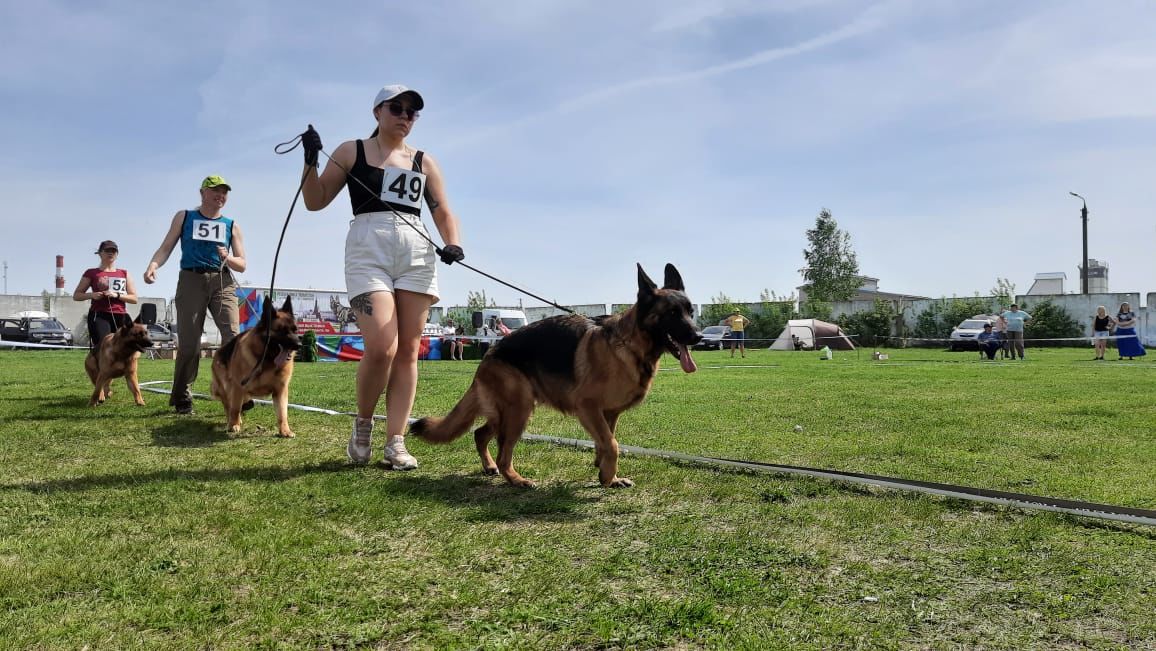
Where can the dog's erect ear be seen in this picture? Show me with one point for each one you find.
(137, 319)
(646, 286)
(673, 279)
(268, 312)
(287, 306)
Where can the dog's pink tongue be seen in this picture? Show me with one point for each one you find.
(282, 357)
(685, 359)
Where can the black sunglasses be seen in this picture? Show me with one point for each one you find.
(396, 109)
(110, 250)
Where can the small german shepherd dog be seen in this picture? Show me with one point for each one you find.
(116, 356)
(258, 362)
(593, 369)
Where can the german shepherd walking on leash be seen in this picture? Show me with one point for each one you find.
(258, 362)
(593, 369)
(116, 356)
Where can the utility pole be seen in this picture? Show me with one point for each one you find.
(5, 276)
(1083, 269)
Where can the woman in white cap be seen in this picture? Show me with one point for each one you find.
(109, 288)
(390, 261)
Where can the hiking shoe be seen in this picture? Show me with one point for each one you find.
(396, 456)
(360, 449)
(184, 408)
(249, 404)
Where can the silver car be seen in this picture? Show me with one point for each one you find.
(963, 336)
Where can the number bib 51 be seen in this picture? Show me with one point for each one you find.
(403, 187)
(209, 230)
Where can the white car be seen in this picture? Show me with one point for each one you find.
(963, 336)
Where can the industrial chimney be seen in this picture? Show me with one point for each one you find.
(60, 275)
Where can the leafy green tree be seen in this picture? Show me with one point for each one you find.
(940, 317)
(720, 308)
(1051, 321)
(872, 327)
(832, 269)
(1004, 292)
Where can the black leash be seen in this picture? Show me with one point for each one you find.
(273, 277)
(290, 145)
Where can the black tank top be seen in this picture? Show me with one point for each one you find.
(364, 201)
(1101, 324)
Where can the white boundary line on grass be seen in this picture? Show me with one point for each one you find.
(1002, 498)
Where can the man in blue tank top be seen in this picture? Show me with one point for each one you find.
(211, 249)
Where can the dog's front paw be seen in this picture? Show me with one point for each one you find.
(286, 433)
(619, 482)
(234, 428)
(489, 470)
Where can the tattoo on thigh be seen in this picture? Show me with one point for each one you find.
(362, 304)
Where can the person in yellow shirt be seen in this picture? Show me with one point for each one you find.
(738, 324)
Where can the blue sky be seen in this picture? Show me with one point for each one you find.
(578, 138)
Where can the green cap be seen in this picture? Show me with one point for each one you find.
(215, 181)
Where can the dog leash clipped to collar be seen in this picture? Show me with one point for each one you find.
(293, 143)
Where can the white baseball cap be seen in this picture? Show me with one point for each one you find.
(394, 90)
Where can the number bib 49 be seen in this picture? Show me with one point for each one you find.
(210, 230)
(403, 187)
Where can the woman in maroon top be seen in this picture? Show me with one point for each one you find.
(109, 289)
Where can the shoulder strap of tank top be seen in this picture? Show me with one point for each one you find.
(360, 154)
(417, 160)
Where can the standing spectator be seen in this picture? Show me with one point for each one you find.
(1016, 320)
(1001, 332)
(989, 342)
(486, 335)
(455, 345)
(738, 324)
(211, 249)
(1102, 325)
(1127, 342)
(110, 289)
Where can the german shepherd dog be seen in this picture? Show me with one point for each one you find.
(258, 362)
(116, 356)
(591, 369)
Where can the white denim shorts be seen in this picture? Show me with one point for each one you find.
(384, 253)
(1100, 334)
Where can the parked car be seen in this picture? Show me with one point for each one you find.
(35, 330)
(714, 337)
(162, 335)
(963, 336)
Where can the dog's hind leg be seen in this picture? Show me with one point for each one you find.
(611, 422)
(482, 437)
(232, 402)
(97, 392)
(595, 422)
(510, 427)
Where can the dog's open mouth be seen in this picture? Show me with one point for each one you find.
(682, 354)
(283, 356)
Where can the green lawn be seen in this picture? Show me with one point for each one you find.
(130, 528)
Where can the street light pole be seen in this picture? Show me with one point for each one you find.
(1084, 269)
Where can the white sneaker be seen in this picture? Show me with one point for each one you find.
(360, 447)
(396, 456)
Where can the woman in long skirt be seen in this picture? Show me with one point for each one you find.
(1127, 343)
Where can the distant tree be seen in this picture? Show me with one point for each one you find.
(940, 317)
(1004, 292)
(477, 301)
(1050, 321)
(832, 269)
(872, 327)
(720, 308)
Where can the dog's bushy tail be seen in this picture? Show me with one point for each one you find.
(455, 423)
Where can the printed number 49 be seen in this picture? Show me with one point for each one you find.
(398, 187)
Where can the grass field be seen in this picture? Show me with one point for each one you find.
(126, 527)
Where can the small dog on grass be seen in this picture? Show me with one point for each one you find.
(116, 356)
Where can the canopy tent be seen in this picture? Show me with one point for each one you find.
(812, 333)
